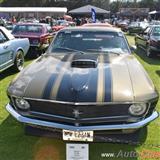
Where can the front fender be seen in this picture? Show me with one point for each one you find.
(21, 44)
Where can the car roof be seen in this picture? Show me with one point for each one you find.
(88, 28)
(25, 23)
(98, 24)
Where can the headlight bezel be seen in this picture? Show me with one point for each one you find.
(135, 111)
(21, 104)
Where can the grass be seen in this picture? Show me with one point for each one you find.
(15, 145)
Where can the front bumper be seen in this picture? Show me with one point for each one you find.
(39, 46)
(42, 123)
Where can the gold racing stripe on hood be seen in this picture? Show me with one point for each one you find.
(121, 83)
(60, 76)
(101, 80)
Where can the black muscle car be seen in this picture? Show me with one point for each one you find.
(149, 40)
(84, 85)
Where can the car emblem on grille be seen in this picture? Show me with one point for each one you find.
(77, 124)
(76, 113)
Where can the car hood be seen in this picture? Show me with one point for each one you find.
(84, 78)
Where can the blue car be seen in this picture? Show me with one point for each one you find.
(12, 50)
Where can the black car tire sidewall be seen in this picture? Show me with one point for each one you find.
(149, 52)
(19, 57)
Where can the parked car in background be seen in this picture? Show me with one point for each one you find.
(107, 20)
(149, 40)
(137, 27)
(71, 24)
(9, 26)
(60, 24)
(28, 20)
(123, 24)
(12, 50)
(40, 35)
(85, 86)
(154, 22)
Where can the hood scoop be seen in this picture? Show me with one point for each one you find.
(84, 63)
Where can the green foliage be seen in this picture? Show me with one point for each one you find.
(148, 4)
(70, 4)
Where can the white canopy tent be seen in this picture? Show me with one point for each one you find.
(87, 9)
(36, 11)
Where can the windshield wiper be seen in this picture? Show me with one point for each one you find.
(111, 52)
(99, 50)
(96, 50)
(70, 49)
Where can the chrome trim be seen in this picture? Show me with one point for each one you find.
(62, 117)
(11, 60)
(50, 115)
(6, 67)
(147, 109)
(37, 122)
(34, 45)
(83, 103)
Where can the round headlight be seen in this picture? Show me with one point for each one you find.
(137, 109)
(22, 104)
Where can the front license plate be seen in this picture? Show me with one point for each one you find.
(78, 135)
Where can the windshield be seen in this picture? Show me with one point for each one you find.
(156, 31)
(28, 28)
(134, 24)
(90, 41)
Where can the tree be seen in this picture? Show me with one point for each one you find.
(101, 3)
(148, 4)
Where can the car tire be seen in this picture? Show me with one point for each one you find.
(19, 61)
(149, 52)
(136, 44)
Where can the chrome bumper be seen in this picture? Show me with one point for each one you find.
(42, 123)
(39, 45)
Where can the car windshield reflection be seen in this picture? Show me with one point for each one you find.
(91, 41)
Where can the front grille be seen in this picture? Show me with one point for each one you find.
(89, 115)
(86, 111)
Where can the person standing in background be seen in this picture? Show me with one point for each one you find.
(14, 20)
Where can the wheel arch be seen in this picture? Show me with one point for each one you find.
(18, 49)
